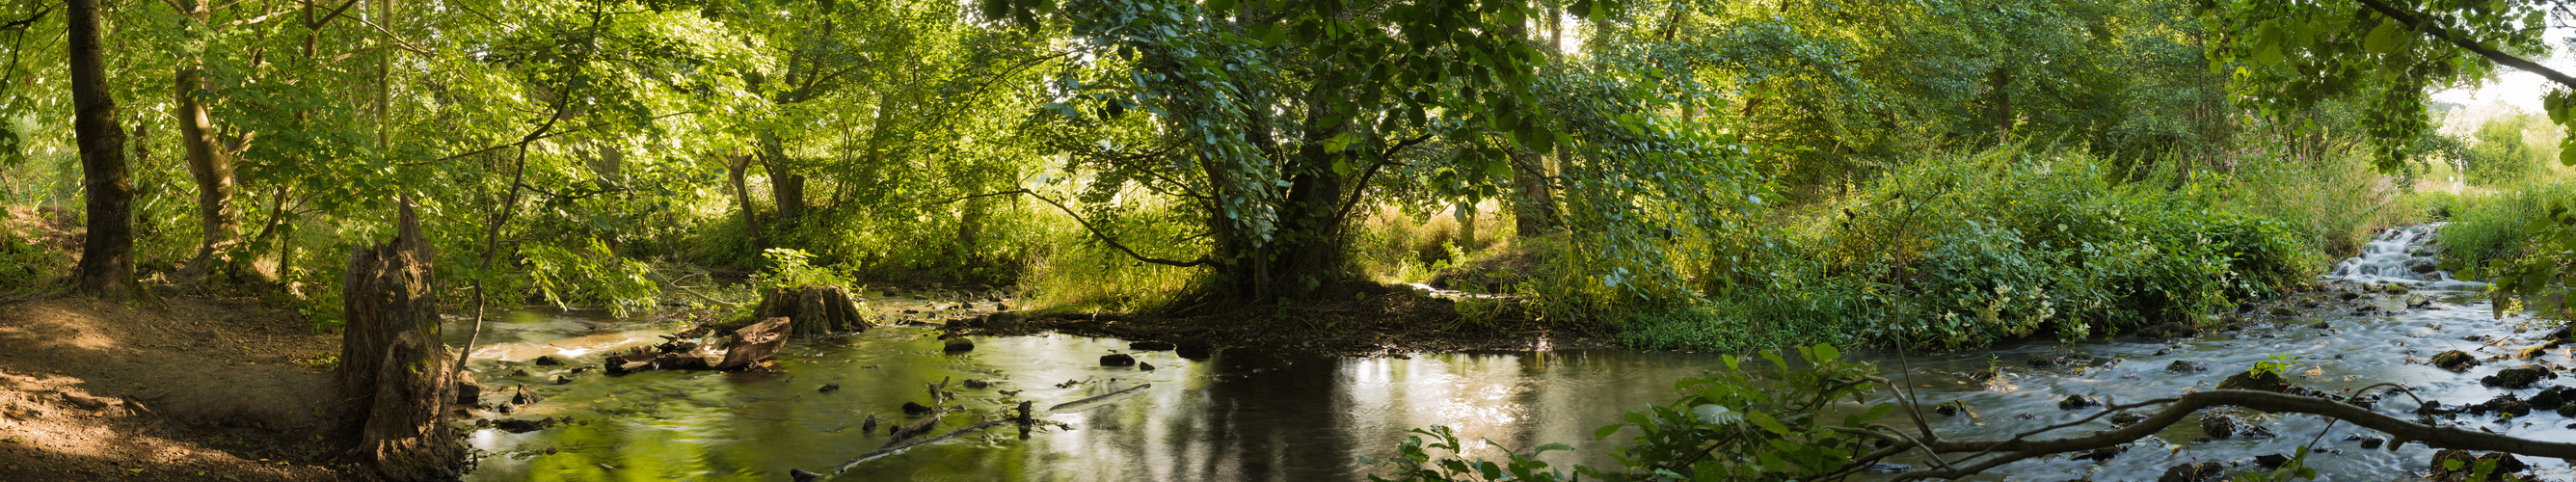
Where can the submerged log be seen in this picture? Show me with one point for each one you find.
(396, 379)
(754, 344)
(814, 310)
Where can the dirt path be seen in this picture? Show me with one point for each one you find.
(203, 390)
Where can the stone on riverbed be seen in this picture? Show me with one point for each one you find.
(2077, 401)
(2261, 381)
(548, 361)
(2231, 426)
(2186, 366)
(2284, 312)
(2455, 360)
(2517, 378)
(1117, 360)
(2504, 464)
(2533, 352)
(2508, 404)
(1150, 346)
(958, 344)
(2204, 472)
(912, 408)
(2101, 454)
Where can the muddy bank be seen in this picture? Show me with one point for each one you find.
(207, 389)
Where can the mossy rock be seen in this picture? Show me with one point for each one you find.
(2517, 378)
(2261, 381)
(2455, 360)
(2536, 351)
(2284, 311)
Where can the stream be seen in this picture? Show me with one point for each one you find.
(1254, 413)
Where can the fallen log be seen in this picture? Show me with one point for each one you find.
(2178, 409)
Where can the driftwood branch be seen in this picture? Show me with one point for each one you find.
(1996, 453)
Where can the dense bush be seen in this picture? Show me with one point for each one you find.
(1982, 247)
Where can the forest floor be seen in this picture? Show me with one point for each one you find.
(200, 389)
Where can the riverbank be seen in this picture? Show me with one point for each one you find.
(206, 389)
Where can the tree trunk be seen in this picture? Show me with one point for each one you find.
(2001, 82)
(107, 255)
(813, 310)
(786, 187)
(213, 169)
(1466, 215)
(396, 378)
(1534, 199)
(735, 171)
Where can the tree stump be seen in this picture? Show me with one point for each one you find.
(396, 379)
(813, 310)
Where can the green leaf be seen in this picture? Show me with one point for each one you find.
(1606, 431)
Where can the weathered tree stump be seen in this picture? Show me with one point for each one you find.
(396, 379)
(814, 310)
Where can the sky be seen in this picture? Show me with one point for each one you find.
(2511, 88)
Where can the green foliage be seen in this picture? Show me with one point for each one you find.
(24, 264)
(590, 275)
(2277, 364)
(2486, 227)
(793, 268)
(1415, 464)
(2508, 149)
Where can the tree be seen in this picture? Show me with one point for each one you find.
(1271, 119)
(107, 255)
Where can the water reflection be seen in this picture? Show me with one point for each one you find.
(1243, 415)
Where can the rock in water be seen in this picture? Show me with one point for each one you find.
(2272, 461)
(562, 380)
(828, 388)
(911, 408)
(802, 476)
(2517, 378)
(2204, 472)
(2229, 426)
(2102, 454)
(524, 397)
(1117, 360)
(871, 425)
(977, 383)
(2263, 381)
(1951, 408)
(2186, 366)
(958, 344)
(2508, 404)
(548, 361)
(469, 394)
(2536, 351)
(1195, 348)
(2455, 360)
(2504, 464)
(2077, 401)
(1145, 366)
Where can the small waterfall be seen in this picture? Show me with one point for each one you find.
(2399, 255)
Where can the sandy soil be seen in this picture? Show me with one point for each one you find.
(201, 389)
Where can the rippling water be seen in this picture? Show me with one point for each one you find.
(1258, 414)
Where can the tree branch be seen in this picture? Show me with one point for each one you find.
(22, 24)
(2399, 430)
(2419, 22)
(1104, 237)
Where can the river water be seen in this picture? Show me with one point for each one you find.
(1249, 413)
